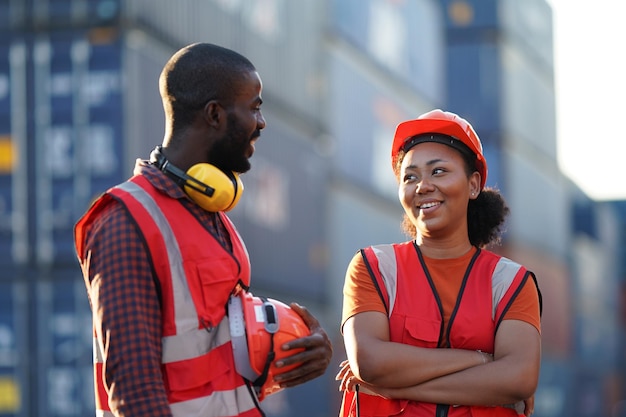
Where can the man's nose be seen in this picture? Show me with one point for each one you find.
(260, 123)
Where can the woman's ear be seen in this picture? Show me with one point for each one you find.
(474, 184)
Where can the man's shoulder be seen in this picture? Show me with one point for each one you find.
(107, 213)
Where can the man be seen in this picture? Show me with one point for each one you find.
(160, 258)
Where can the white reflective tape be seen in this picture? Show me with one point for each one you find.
(195, 343)
(102, 413)
(97, 352)
(186, 317)
(219, 403)
(503, 275)
(388, 267)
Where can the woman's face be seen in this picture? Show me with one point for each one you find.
(435, 190)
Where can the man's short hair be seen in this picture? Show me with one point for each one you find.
(197, 74)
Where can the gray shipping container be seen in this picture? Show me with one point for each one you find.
(30, 15)
(282, 38)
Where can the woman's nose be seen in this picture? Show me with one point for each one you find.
(424, 186)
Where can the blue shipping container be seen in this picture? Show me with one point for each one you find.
(13, 350)
(61, 127)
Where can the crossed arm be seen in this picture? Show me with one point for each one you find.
(442, 376)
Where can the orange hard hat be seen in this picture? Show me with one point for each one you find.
(436, 123)
(259, 327)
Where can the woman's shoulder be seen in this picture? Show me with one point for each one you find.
(385, 250)
(395, 244)
(501, 260)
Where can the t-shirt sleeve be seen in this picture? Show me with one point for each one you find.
(359, 292)
(525, 306)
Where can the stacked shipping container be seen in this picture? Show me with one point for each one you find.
(61, 142)
(79, 102)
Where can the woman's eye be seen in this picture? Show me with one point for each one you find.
(408, 177)
(438, 171)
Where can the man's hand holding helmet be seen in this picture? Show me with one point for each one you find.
(276, 346)
(313, 360)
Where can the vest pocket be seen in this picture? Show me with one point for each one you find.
(211, 284)
(421, 332)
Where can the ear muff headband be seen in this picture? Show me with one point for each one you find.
(222, 195)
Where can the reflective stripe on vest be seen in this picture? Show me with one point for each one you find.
(219, 403)
(218, 391)
(185, 313)
(502, 277)
(185, 346)
(388, 267)
(415, 315)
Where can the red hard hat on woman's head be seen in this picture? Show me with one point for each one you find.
(440, 123)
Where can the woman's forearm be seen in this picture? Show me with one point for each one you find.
(488, 384)
(401, 366)
(377, 361)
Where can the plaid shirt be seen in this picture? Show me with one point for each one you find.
(125, 302)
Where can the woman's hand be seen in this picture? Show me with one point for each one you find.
(529, 406)
(349, 382)
(347, 377)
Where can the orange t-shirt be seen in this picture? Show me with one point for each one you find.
(360, 294)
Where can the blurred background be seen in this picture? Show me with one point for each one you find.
(79, 103)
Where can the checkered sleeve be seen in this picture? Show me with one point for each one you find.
(126, 314)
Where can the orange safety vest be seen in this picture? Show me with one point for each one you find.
(197, 365)
(416, 318)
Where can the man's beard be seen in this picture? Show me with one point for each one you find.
(229, 153)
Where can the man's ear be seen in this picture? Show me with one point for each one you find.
(214, 114)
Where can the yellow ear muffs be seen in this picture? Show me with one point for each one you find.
(222, 194)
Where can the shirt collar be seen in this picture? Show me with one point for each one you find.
(158, 179)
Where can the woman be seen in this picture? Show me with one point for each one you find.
(440, 326)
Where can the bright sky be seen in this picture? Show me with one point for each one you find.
(590, 75)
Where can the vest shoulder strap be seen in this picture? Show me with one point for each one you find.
(373, 267)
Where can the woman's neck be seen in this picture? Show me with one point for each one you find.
(443, 248)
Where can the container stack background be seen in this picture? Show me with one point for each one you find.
(79, 103)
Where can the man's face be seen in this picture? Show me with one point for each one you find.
(244, 124)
